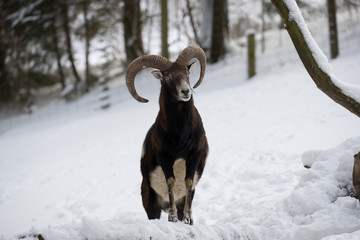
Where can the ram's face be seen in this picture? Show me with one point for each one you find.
(177, 81)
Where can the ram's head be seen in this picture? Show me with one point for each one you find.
(174, 76)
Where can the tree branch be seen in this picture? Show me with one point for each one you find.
(315, 60)
(189, 9)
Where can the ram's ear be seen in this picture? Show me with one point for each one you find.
(191, 66)
(157, 74)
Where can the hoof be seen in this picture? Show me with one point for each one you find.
(188, 220)
(172, 217)
(187, 217)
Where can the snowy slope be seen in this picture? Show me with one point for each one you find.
(78, 177)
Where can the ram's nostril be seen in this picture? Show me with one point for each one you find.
(185, 91)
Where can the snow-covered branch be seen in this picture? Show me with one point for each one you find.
(314, 60)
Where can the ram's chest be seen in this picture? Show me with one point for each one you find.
(158, 181)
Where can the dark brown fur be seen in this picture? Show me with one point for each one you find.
(177, 133)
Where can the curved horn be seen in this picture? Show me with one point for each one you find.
(140, 63)
(190, 52)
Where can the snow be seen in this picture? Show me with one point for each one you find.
(250, 31)
(320, 205)
(350, 90)
(78, 176)
(67, 90)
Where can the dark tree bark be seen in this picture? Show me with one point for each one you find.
(322, 80)
(132, 30)
(55, 43)
(10, 49)
(87, 46)
(68, 42)
(217, 48)
(164, 29)
(333, 33)
(5, 87)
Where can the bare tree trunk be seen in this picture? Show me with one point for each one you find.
(322, 79)
(56, 45)
(87, 46)
(189, 9)
(333, 34)
(14, 55)
(164, 29)
(132, 30)
(225, 21)
(263, 26)
(58, 59)
(217, 49)
(68, 42)
(5, 87)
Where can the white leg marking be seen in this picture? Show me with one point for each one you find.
(158, 181)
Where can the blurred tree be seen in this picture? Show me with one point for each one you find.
(263, 27)
(214, 29)
(6, 89)
(25, 40)
(219, 30)
(87, 44)
(54, 28)
(333, 34)
(351, 5)
(94, 25)
(35, 37)
(192, 21)
(132, 30)
(67, 31)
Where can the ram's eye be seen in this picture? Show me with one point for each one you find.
(166, 78)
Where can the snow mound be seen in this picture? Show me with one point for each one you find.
(322, 204)
(309, 157)
(93, 229)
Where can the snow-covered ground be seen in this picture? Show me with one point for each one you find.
(78, 176)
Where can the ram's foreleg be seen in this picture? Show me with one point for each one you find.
(190, 181)
(188, 200)
(173, 216)
(194, 169)
(167, 168)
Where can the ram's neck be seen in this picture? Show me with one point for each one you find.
(175, 115)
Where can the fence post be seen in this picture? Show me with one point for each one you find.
(105, 94)
(251, 52)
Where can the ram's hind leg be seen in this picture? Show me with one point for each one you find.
(149, 199)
